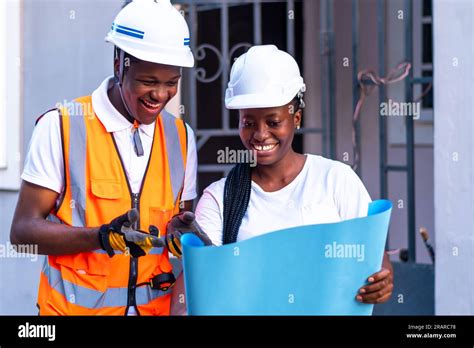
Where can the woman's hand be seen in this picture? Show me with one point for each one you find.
(381, 285)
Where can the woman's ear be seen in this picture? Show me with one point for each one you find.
(297, 118)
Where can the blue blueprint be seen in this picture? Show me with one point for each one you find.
(306, 270)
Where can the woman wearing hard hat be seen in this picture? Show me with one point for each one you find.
(286, 188)
(91, 161)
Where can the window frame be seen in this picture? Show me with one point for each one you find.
(426, 114)
(10, 98)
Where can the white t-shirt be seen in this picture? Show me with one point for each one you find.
(44, 160)
(324, 191)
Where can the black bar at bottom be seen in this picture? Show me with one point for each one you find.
(159, 331)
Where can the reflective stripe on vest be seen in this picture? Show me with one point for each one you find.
(175, 159)
(93, 299)
(77, 156)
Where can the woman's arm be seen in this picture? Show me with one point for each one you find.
(208, 213)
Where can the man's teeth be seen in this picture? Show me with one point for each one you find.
(150, 105)
(264, 147)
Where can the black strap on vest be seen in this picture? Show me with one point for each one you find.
(236, 200)
(162, 281)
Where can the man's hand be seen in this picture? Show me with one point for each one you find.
(182, 223)
(119, 235)
(381, 285)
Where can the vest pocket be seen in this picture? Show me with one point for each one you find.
(106, 189)
(82, 284)
(85, 270)
(159, 216)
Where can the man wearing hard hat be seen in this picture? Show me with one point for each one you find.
(108, 172)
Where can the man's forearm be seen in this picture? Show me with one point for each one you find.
(54, 239)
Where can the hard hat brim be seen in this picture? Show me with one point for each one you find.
(183, 60)
(250, 101)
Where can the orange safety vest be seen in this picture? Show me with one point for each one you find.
(96, 191)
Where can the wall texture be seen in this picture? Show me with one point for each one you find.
(454, 157)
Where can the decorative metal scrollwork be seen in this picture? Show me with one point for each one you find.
(201, 72)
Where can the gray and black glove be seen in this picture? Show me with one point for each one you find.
(119, 235)
(184, 222)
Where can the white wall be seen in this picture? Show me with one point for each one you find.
(454, 156)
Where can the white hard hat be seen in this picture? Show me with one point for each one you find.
(154, 31)
(263, 77)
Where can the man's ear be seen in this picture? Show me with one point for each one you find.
(116, 69)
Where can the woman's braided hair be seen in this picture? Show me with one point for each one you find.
(236, 199)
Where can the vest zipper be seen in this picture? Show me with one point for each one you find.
(133, 273)
(132, 279)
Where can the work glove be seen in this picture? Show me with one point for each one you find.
(119, 234)
(182, 223)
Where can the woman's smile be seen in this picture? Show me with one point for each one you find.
(265, 149)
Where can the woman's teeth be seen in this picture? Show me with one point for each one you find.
(150, 105)
(264, 147)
